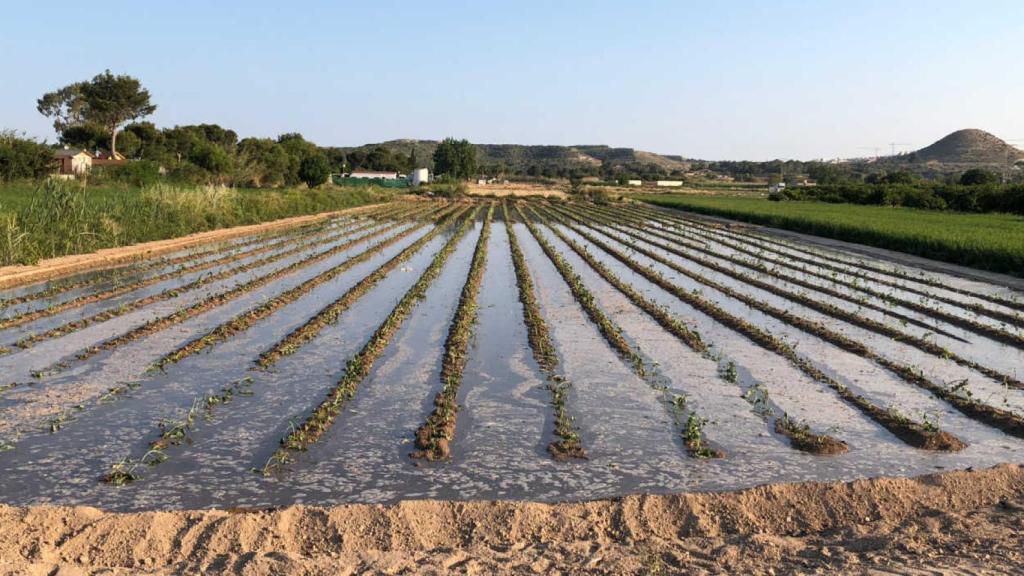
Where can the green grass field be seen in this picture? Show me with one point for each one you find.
(987, 241)
(59, 218)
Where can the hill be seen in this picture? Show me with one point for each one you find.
(518, 158)
(969, 146)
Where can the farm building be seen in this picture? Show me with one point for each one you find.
(669, 183)
(372, 178)
(419, 176)
(775, 188)
(105, 158)
(635, 182)
(72, 162)
(373, 175)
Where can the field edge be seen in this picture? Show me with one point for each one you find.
(902, 522)
(51, 268)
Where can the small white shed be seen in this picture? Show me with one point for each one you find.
(419, 176)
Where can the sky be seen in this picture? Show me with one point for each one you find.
(751, 80)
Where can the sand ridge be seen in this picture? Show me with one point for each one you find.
(955, 522)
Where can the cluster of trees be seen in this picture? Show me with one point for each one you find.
(107, 111)
(211, 154)
(977, 190)
(455, 159)
(378, 159)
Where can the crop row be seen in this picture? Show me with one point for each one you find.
(247, 319)
(358, 367)
(799, 434)
(120, 289)
(139, 267)
(176, 291)
(211, 302)
(1005, 420)
(243, 321)
(567, 443)
(916, 434)
(329, 314)
(175, 432)
(835, 263)
(433, 438)
(697, 446)
(790, 261)
(804, 300)
(192, 262)
(757, 263)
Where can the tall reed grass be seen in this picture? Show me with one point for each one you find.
(64, 217)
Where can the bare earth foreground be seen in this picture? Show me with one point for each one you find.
(955, 522)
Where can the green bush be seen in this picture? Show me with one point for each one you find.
(138, 173)
(445, 187)
(928, 196)
(22, 158)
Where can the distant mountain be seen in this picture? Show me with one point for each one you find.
(969, 146)
(519, 157)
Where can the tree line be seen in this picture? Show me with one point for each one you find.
(976, 190)
(108, 113)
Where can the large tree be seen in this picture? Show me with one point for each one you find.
(107, 100)
(455, 159)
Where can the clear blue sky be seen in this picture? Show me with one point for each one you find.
(736, 80)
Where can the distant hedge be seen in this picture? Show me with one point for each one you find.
(981, 198)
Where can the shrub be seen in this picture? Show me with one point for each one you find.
(139, 173)
(23, 158)
(314, 169)
(446, 187)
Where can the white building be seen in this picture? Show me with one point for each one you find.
(419, 176)
(669, 183)
(72, 162)
(773, 188)
(634, 182)
(371, 175)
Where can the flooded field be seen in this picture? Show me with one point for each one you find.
(518, 349)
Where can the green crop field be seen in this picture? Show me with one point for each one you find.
(988, 241)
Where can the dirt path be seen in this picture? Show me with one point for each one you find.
(109, 257)
(956, 522)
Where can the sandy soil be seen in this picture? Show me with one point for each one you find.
(956, 522)
(515, 189)
(54, 267)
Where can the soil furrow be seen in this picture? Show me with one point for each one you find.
(247, 319)
(328, 315)
(86, 299)
(913, 433)
(814, 304)
(169, 293)
(815, 258)
(357, 367)
(433, 438)
(800, 435)
(681, 233)
(693, 436)
(568, 443)
(205, 305)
